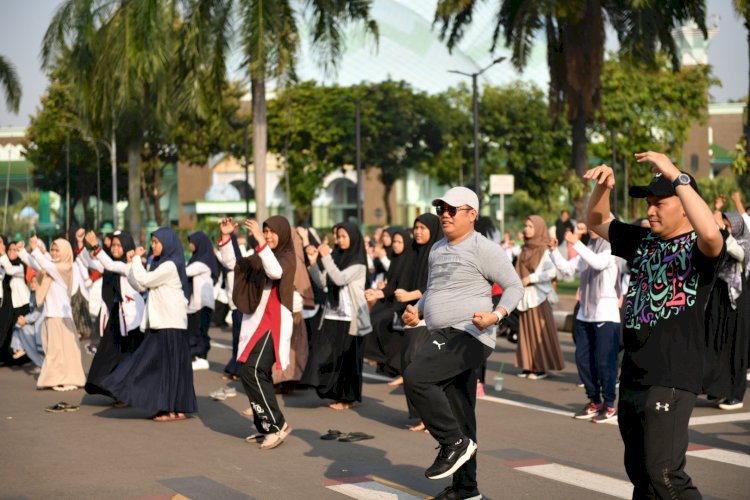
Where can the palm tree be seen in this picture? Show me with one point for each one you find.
(122, 66)
(270, 38)
(575, 45)
(11, 85)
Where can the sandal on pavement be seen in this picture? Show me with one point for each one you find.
(248, 412)
(255, 438)
(62, 407)
(275, 438)
(331, 435)
(341, 405)
(168, 417)
(65, 388)
(354, 436)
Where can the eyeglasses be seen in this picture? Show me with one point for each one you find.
(441, 209)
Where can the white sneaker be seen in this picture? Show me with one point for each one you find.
(223, 393)
(275, 438)
(200, 364)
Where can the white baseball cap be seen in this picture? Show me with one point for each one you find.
(457, 197)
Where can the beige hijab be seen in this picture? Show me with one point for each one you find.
(64, 265)
(533, 249)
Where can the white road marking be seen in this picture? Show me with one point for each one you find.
(720, 419)
(724, 456)
(581, 478)
(369, 489)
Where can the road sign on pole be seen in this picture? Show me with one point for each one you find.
(501, 184)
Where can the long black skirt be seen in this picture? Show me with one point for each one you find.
(334, 367)
(112, 350)
(158, 376)
(385, 344)
(725, 359)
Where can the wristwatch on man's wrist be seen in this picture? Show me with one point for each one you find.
(681, 180)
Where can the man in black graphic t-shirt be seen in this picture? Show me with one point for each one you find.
(672, 269)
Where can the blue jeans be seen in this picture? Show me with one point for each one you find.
(597, 346)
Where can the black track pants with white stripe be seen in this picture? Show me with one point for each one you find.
(258, 383)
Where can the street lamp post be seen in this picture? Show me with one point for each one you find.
(475, 119)
(358, 161)
(67, 182)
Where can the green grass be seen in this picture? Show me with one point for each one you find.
(567, 288)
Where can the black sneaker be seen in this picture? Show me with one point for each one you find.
(450, 494)
(731, 404)
(450, 458)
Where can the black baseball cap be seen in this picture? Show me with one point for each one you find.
(659, 186)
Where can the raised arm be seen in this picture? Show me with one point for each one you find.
(10, 269)
(710, 242)
(598, 212)
(113, 266)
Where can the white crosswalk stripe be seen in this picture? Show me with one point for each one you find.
(370, 489)
(581, 478)
(719, 455)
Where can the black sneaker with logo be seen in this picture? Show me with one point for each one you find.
(450, 458)
(450, 494)
(607, 413)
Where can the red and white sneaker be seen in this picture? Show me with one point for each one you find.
(607, 413)
(589, 411)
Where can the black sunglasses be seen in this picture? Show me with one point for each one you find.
(441, 209)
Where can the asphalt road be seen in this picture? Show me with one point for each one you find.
(529, 446)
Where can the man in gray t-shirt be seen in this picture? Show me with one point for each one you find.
(457, 307)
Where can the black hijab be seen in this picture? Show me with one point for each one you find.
(16, 262)
(204, 252)
(417, 273)
(111, 281)
(355, 254)
(250, 276)
(400, 264)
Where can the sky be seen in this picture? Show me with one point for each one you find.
(23, 23)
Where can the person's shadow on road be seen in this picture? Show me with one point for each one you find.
(352, 461)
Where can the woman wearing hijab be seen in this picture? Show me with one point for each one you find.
(122, 312)
(538, 345)
(335, 364)
(300, 348)
(382, 254)
(158, 376)
(14, 295)
(62, 369)
(264, 293)
(79, 292)
(203, 272)
(427, 231)
(597, 325)
(725, 370)
(385, 344)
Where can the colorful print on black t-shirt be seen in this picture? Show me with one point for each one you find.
(662, 284)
